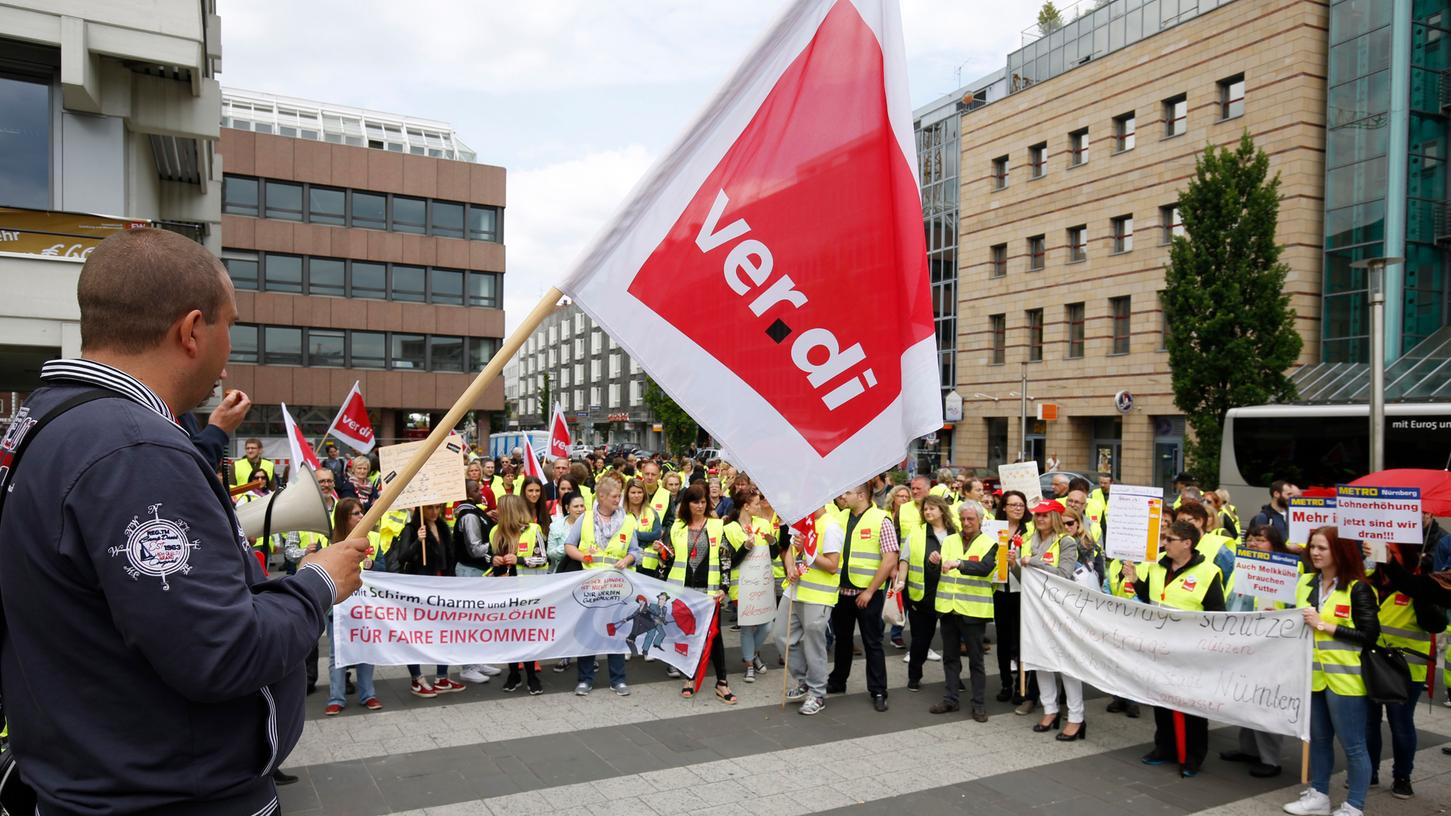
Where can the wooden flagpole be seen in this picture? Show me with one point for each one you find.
(1304, 763)
(393, 483)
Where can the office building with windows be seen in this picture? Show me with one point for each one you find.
(108, 119)
(601, 389)
(1068, 193)
(364, 246)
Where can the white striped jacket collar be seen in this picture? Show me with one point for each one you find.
(90, 372)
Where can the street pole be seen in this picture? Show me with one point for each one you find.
(1023, 416)
(1375, 289)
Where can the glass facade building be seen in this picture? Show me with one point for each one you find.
(1388, 93)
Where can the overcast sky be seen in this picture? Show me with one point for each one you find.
(575, 97)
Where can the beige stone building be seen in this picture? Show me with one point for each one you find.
(1067, 193)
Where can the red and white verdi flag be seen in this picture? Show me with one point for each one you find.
(531, 461)
(352, 424)
(559, 440)
(770, 272)
(302, 451)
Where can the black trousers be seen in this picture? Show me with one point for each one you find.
(922, 617)
(957, 629)
(844, 617)
(1007, 613)
(1196, 738)
(311, 667)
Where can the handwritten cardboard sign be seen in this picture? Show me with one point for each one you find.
(1134, 515)
(1022, 477)
(441, 479)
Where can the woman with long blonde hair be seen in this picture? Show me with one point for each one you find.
(516, 540)
(1052, 549)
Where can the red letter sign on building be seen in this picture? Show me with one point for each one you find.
(770, 272)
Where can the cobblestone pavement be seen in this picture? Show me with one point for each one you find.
(485, 752)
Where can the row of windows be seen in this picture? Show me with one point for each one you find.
(1120, 311)
(1175, 116)
(1121, 232)
(346, 348)
(314, 204)
(592, 398)
(338, 277)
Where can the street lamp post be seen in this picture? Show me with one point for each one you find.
(1023, 416)
(1375, 286)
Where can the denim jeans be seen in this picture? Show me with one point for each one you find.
(1333, 716)
(752, 639)
(415, 671)
(337, 692)
(616, 663)
(1403, 733)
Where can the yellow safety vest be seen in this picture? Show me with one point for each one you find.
(616, 548)
(1050, 554)
(1398, 627)
(967, 595)
(1117, 586)
(242, 471)
(1188, 588)
(527, 541)
(816, 585)
(680, 545)
(649, 556)
(1211, 543)
(864, 547)
(660, 502)
(1337, 662)
(392, 524)
(909, 518)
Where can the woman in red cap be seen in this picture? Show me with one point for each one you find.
(1050, 548)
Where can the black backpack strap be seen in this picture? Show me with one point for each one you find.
(24, 436)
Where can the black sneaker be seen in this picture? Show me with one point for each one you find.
(800, 692)
(513, 683)
(535, 687)
(898, 642)
(1004, 694)
(1115, 706)
(1401, 788)
(1132, 711)
(279, 777)
(914, 685)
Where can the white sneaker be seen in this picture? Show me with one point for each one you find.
(1347, 809)
(1310, 803)
(489, 670)
(649, 658)
(471, 674)
(906, 658)
(932, 655)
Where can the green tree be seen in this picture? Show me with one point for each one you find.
(546, 401)
(680, 428)
(1050, 19)
(1231, 331)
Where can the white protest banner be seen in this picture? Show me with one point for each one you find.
(1134, 514)
(1269, 576)
(440, 481)
(400, 619)
(756, 596)
(1306, 513)
(1242, 668)
(998, 531)
(1022, 477)
(1379, 516)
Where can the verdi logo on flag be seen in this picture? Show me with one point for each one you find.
(770, 273)
(352, 424)
(559, 440)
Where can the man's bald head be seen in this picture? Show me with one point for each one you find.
(138, 283)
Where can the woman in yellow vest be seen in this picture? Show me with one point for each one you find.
(1050, 548)
(647, 529)
(1341, 607)
(695, 543)
(1007, 606)
(533, 492)
(744, 530)
(346, 515)
(919, 570)
(517, 548)
(1182, 579)
(1407, 621)
(964, 604)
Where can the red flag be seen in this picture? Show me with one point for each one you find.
(806, 528)
(770, 273)
(559, 440)
(531, 462)
(352, 424)
(302, 451)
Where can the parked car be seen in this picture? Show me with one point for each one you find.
(1046, 480)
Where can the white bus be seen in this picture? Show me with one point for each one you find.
(503, 444)
(1324, 445)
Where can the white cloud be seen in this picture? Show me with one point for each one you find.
(554, 212)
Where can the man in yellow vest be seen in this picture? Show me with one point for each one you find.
(242, 469)
(491, 479)
(869, 558)
(655, 493)
(965, 606)
(811, 591)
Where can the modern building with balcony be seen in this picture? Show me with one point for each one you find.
(364, 246)
(107, 119)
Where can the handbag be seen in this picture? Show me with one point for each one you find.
(892, 613)
(1386, 674)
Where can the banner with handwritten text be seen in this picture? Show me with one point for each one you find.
(1242, 668)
